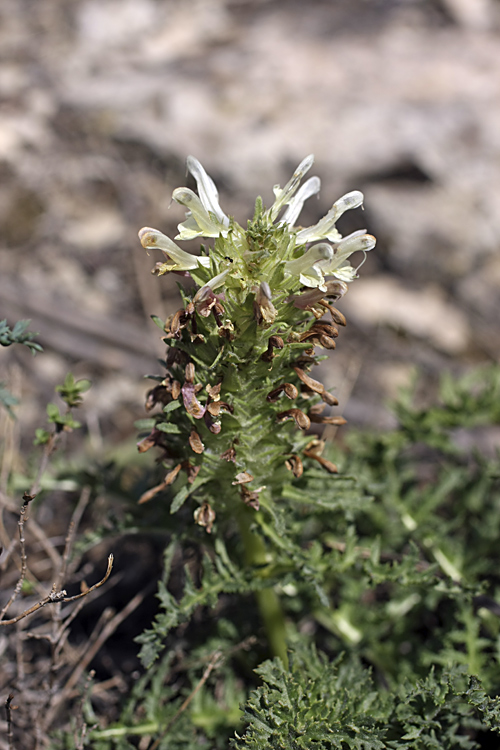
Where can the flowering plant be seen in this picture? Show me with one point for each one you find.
(237, 399)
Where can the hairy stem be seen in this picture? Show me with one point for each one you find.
(268, 601)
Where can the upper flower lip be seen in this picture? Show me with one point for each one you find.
(325, 228)
(284, 195)
(207, 190)
(205, 218)
(323, 260)
(151, 239)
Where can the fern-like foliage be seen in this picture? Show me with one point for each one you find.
(322, 705)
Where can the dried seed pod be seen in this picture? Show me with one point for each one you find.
(148, 442)
(314, 449)
(172, 475)
(176, 390)
(301, 419)
(215, 407)
(337, 316)
(294, 464)
(214, 391)
(317, 419)
(274, 342)
(242, 478)
(329, 399)
(149, 494)
(189, 372)
(317, 409)
(313, 385)
(287, 388)
(229, 455)
(251, 498)
(326, 342)
(205, 516)
(191, 403)
(195, 442)
(191, 471)
(157, 395)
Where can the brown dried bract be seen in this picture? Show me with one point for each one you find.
(294, 464)
(205, 516)
(195, 442)
(287, 388)
(251, 498)
(229, 455)
(150, 441)
(242, 478)
(317, 419)
(274, 342)
(314, 450)
(313, 385)
(169, 479)
(301, 419)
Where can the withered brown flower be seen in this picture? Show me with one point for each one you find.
(205, 516)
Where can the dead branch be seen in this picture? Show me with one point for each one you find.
(24, 562)
(60, 596)
(107, 631)
(8, 711)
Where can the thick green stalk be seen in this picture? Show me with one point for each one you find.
(268, 601)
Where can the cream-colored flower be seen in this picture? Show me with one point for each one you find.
(205, 218)
(324, 260)
(283, 196)
(325, 228)
(152, 239)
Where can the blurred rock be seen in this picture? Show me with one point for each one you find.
(424, 314)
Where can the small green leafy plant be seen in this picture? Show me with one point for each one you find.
(352, 608)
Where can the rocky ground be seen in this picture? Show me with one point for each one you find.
(103, 100)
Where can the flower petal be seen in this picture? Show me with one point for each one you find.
(152, 239)
(325, 228)
(283, 195)
(199, 222)
(295, 205)
(207, 190)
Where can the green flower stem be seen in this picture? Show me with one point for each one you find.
(268, 601)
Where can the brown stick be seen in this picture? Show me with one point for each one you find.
(8, 711)
(24, 562)
(106, 632)
(60, 596)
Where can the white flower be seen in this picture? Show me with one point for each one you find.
(295, 205)
(325, 228)
(307, 267)
(283, 196)
(205, 218)
(151, 239)
(324, 260)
